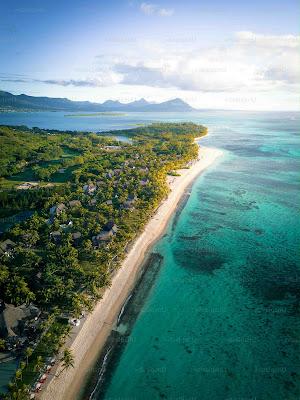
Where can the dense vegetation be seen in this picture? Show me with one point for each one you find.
(63, 256)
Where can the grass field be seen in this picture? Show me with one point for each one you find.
(28, 175)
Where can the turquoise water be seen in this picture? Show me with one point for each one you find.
(7, 371)
(221, 320)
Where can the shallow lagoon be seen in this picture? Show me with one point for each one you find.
(222, 318)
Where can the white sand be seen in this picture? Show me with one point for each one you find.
(91, 336)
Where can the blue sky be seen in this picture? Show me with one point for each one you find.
(233, 54)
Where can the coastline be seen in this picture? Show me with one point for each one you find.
(97, 326)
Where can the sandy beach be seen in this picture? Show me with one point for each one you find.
(88, 341)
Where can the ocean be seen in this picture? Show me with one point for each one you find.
(219, 319)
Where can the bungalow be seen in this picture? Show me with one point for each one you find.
(58, 209)
(144, 182)
(145, 169)
(109, 202)
(110, 174)
(27, 185)
(117, 171)
(112, 147)
(11, 318)
(111, 226)
(7, 247)
(101, 238)
(74, 203)
(129, 203)
(109, 230)
(89, 189)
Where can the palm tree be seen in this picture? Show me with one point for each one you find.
(28, 353)
(18, 375)
(2, 344)
(22, 365)
(18, 393)
(67, 360)
(39, 363)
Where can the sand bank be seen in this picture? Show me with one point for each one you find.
(88, 341)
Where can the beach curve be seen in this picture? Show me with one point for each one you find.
(90, 339)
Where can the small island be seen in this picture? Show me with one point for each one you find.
(98, 114)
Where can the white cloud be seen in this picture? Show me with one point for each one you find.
(251, 62)
(268, 41)
(193, 75)
(102, 80)
(166, 12)
(252, 71)
(147, 8)
(154, 9)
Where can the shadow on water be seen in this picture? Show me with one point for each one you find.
(120, 335)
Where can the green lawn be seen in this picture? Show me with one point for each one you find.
(27, 175)
(64, 176)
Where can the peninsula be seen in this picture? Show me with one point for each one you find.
(98, 205)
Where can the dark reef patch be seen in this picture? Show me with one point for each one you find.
(189, 238)
(201, 260)
(273, 281)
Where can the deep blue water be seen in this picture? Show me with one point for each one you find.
(74, 121)
(222, 318)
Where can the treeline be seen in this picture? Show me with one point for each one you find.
(62, 257)
(123, 184)
(22, 148)
(157, 129)
(18, 148)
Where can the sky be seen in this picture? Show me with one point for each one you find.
(211, 53)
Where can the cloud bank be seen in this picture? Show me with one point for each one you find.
(249, 66)
(154, 9)
(254, 62)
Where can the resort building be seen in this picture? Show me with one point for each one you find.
(109, 230)
(74, 203)
(57, 209)
(89, 189)
(12, 318)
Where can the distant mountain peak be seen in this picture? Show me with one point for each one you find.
(23, 102)
(110, 102)
(142, 101)
(177, 100)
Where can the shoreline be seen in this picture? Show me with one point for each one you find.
(97, 326)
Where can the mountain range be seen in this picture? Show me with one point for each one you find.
(9, 101)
